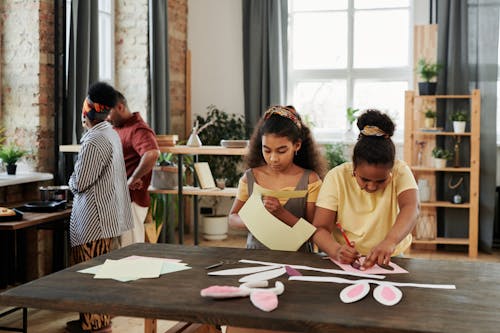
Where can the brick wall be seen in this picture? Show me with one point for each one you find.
(27, 78)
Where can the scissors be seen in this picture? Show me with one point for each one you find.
(222, 262)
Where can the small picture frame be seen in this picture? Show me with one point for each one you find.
(204, 174)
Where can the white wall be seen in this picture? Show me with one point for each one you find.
(215, 41)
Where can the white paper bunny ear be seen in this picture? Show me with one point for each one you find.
(387, 294)
(354, 292)
(267, 299)
(263, 276)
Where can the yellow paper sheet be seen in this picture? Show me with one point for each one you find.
(269, 230)
(131, 269)
(281, 194)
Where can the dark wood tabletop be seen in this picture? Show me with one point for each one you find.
(304, 306)
(31, 219)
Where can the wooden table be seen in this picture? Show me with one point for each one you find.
(304, 306)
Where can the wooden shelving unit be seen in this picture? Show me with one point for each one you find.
(194, 191)
(414, 132)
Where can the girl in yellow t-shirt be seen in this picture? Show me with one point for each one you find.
(373, 198)
(282, 156)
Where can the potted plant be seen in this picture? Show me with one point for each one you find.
(10, 154)
(430, 118)
(441, 156)
(428, 72)
(459, 119)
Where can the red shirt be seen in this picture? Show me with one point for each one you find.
(137, 138)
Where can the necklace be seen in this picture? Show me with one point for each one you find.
(457, 184)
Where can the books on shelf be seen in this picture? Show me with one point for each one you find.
(204, 174)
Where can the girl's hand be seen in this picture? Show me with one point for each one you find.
(380, 254)
(346, 254)
(273, 205)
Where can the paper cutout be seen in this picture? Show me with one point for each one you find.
(387, 294)
(244, 270)
(309, 268)
(292, 271)
(375, 269)
(332, 279)
(135, 267)
(263, 276)
(283, 194)
(263, 299)
(205, 177)
(354, 292)
(269, 230)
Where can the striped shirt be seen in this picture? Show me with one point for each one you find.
(101, 202)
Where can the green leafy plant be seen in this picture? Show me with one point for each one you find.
(427, 70)
(334, 154)
(459, 116)
(442, 153)
(430, 113)
(10, 153)
(225, 127)
(351, 115)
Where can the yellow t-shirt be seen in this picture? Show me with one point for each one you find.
(365, 217)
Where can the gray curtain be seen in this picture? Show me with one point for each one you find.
(159, 111)
(82, 70)
(264, 56)
(467, 49)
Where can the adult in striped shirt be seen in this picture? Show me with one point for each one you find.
(101, 203)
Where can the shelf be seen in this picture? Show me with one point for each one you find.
(191, 190)
(431, 97)
(420, 132)
(442, 240)
(445, 204)
(203, 150)
(447, 169)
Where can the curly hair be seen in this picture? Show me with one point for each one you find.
(375, 147)
(307, 157)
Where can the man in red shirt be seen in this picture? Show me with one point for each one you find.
(140, 151)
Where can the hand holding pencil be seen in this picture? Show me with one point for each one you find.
(347, 254)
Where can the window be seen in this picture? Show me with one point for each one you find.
(350, 53)
(106, 38)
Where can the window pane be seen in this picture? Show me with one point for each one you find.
(308, 5)
(381, 38)
(322, 102)
(385, 96)
(370, 4)
(105, 6)
(319, 40)
(105, 48)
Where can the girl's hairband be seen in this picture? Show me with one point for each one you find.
(88, 106)
(283, 112)
(370, 130)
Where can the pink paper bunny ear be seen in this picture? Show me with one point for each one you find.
(387, 294)
(224, 292)
(264, 300)
(354, 292)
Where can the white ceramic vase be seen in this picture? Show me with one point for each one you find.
(215, 227)
(440, 163)
(459, 126)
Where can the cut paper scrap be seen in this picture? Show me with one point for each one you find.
(375, 269)
(264, 276)
(332, 279)
(243, 270)
(269, 230)
(283, 194)
(309, 268)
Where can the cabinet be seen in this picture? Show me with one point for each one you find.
(195, 191)
(418, 144)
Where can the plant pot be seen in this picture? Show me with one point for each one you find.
(427, 88)
(215, 227)
(459, 126)
(429, 122)
(11, 168)
(165, 177)
(440, 163)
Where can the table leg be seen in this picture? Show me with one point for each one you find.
(180, 204)
(149, 325)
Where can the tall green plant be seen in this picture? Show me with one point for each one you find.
(225, 127)
(334, 154)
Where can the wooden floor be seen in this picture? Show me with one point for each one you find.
(44, 321)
